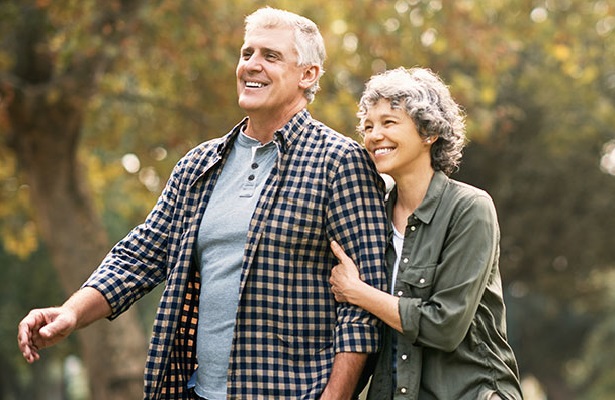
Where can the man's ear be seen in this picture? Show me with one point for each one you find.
(309, 77)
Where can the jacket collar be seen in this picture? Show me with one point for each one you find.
(429, 205)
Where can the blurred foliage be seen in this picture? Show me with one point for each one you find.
(537, 79)
(26, 284)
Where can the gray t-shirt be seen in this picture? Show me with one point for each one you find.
(220, 244)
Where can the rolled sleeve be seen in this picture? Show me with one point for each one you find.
(357, 220)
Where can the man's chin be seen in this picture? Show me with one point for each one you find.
(246, 103)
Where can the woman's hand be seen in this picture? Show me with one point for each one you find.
(347, 287)
(344, 276)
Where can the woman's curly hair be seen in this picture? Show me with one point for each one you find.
(428, 101)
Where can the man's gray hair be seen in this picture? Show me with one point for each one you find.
(309, 43)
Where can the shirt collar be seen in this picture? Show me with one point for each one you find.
(284, 137)
(288, 134)
(429, 205)
(223, 145)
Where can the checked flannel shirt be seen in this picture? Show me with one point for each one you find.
(288, 325)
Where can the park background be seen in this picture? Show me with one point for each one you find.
(99, 99)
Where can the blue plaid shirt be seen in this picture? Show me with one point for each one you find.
(289, 327)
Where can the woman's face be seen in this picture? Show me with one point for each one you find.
(393, 141)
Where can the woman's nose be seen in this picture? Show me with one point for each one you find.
(374, 135)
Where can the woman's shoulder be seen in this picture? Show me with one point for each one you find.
(467, 195)
(466, 190)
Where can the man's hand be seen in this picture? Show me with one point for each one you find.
(43, 328)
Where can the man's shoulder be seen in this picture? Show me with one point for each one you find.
(193, 163)
(204, 149)
(331, 138)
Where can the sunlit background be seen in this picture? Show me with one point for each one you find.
(98, 100)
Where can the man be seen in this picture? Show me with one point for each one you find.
(240, 237)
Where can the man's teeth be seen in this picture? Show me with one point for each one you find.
(254, 85)
(383, 151)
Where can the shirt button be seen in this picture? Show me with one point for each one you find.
(404, 357)
(254, 165)
(251, 177)
(406, 260)
(413, 228)
(422, 280)
(400, 293)
(404, 390)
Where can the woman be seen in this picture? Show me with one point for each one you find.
(445, 333)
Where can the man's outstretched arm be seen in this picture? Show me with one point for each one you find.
(45, 327)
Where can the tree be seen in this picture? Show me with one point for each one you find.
(45, 98)
(85, 85)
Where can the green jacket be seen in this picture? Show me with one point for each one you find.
(454, 345)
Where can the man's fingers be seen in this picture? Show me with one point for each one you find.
(40, 329)
(25, 340)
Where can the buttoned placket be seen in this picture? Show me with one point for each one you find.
(402, 357)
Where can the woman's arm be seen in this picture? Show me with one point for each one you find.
(466, 260)
(348, 287)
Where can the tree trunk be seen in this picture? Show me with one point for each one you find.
(45, 111)
(45, 132)
(44, 107)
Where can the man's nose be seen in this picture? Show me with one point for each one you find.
(255, 62)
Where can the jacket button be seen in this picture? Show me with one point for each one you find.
(404, 357)
(404, 390)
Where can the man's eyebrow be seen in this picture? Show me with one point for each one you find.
(279, 53)
(264, 50)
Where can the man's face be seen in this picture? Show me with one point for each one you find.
(269, 82)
